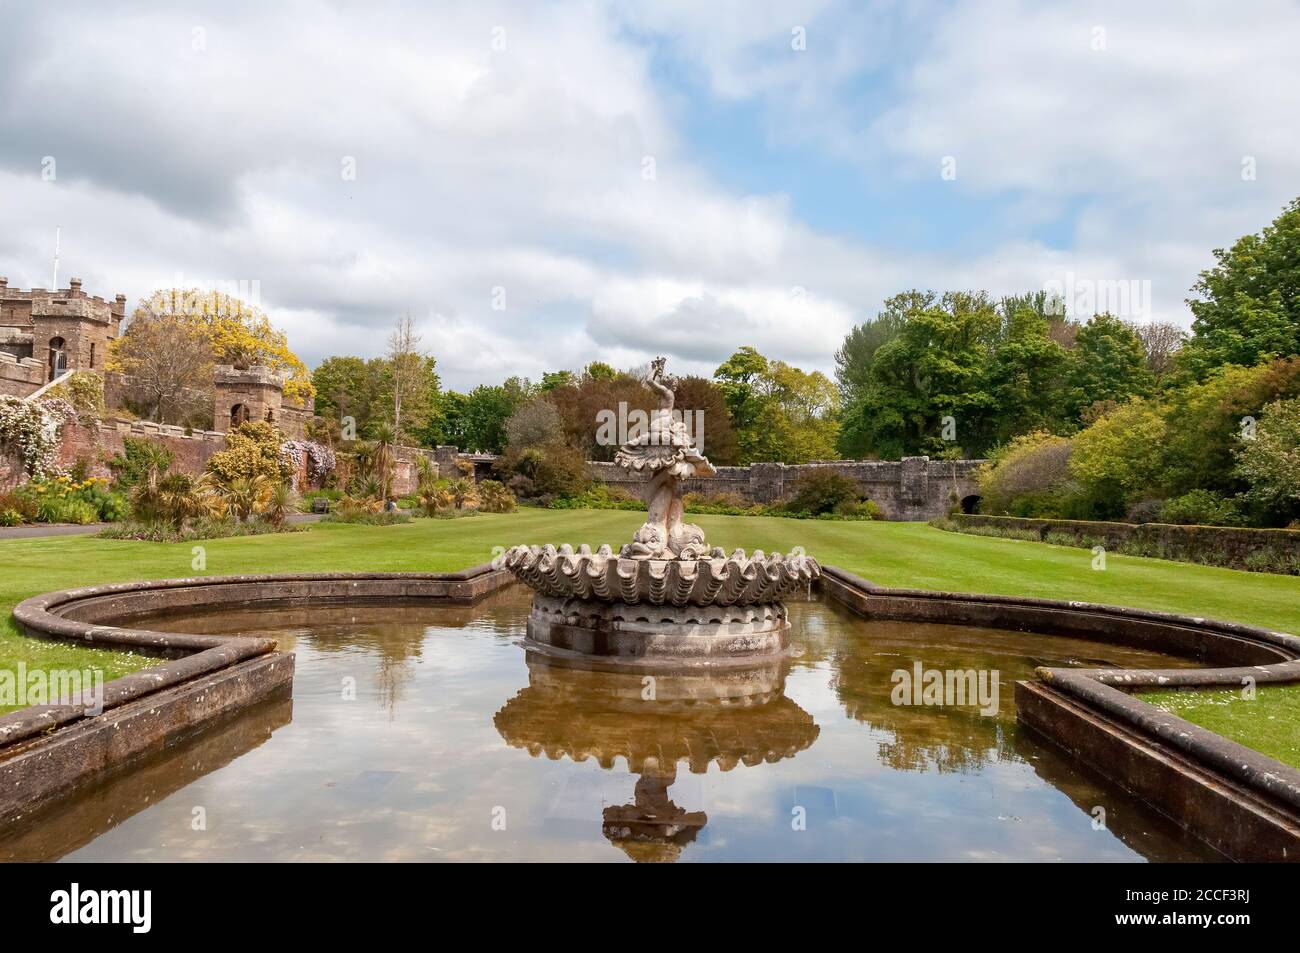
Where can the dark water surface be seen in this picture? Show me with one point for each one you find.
(430, 734)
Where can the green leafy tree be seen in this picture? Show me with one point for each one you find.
(778, 412)
(554, 379)
(1270, 462)
(1107, 365)
(1120, 456)
(1247, 307)
(931, 369)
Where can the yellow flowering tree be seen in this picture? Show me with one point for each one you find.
(238, 333)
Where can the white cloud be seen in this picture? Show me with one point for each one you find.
(521, 168)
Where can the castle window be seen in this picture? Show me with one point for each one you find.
(238, 415)
(92, 355)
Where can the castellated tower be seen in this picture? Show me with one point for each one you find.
(243, 394)
(45, 333)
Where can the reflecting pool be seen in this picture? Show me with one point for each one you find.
(430, 734)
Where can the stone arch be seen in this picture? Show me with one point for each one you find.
(238, 415)
(970, 504)
(58, 356)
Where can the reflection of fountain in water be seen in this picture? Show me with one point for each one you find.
(655, 723)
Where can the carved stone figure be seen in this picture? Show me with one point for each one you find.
(667, 452)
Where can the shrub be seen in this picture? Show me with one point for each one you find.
(200, 529)
(463, 492)
(495, 498)
(552, 471)
(821, 491)
(54, 509)
(32, 430)
(434, 497)
(382, 518)
(83, 391)
(1145, 511)
(350, 509)
(64, 500)
(10, 517)
(21, 505)
(1030, 473)
(1203, 508)
(138, 459)
(602, 496)
(251, 450)
(857, 510)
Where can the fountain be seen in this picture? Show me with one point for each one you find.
(667, 598)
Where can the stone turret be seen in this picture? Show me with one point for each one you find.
(242, 394)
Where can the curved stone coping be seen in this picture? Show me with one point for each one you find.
(96, 615)
(1269, 658)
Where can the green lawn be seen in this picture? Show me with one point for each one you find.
(894, 554)
(1269, 723)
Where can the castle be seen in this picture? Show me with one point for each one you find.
(46, 334)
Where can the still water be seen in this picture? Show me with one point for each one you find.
(430, 734)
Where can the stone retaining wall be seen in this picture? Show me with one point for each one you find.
(914, 488)
(1273, 550)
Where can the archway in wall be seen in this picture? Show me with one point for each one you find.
(58, 357)
(238, 415)
(970, 504)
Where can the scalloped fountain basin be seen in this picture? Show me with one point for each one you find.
(721, 610)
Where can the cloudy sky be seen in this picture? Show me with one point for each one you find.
(543, 185)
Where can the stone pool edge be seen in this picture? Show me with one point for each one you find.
(1245, 805)
(47, 750)
(1240, 802)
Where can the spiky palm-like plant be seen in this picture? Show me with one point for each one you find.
(463, 493)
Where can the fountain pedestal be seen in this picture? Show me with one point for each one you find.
(653, 635)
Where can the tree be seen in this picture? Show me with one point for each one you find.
(484, 414)
(1161, 341)
(599, 370)
(931, 369)
(1119, 457)
(853, 359)
(1270, 462)
(351, 387)
(411, 380)
(554, 379)
(238, 333)
(779, 412)
(1247, 307)
(534, 424)
(169, 360)
(1108, 363)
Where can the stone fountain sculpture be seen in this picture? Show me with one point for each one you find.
(666, 597)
